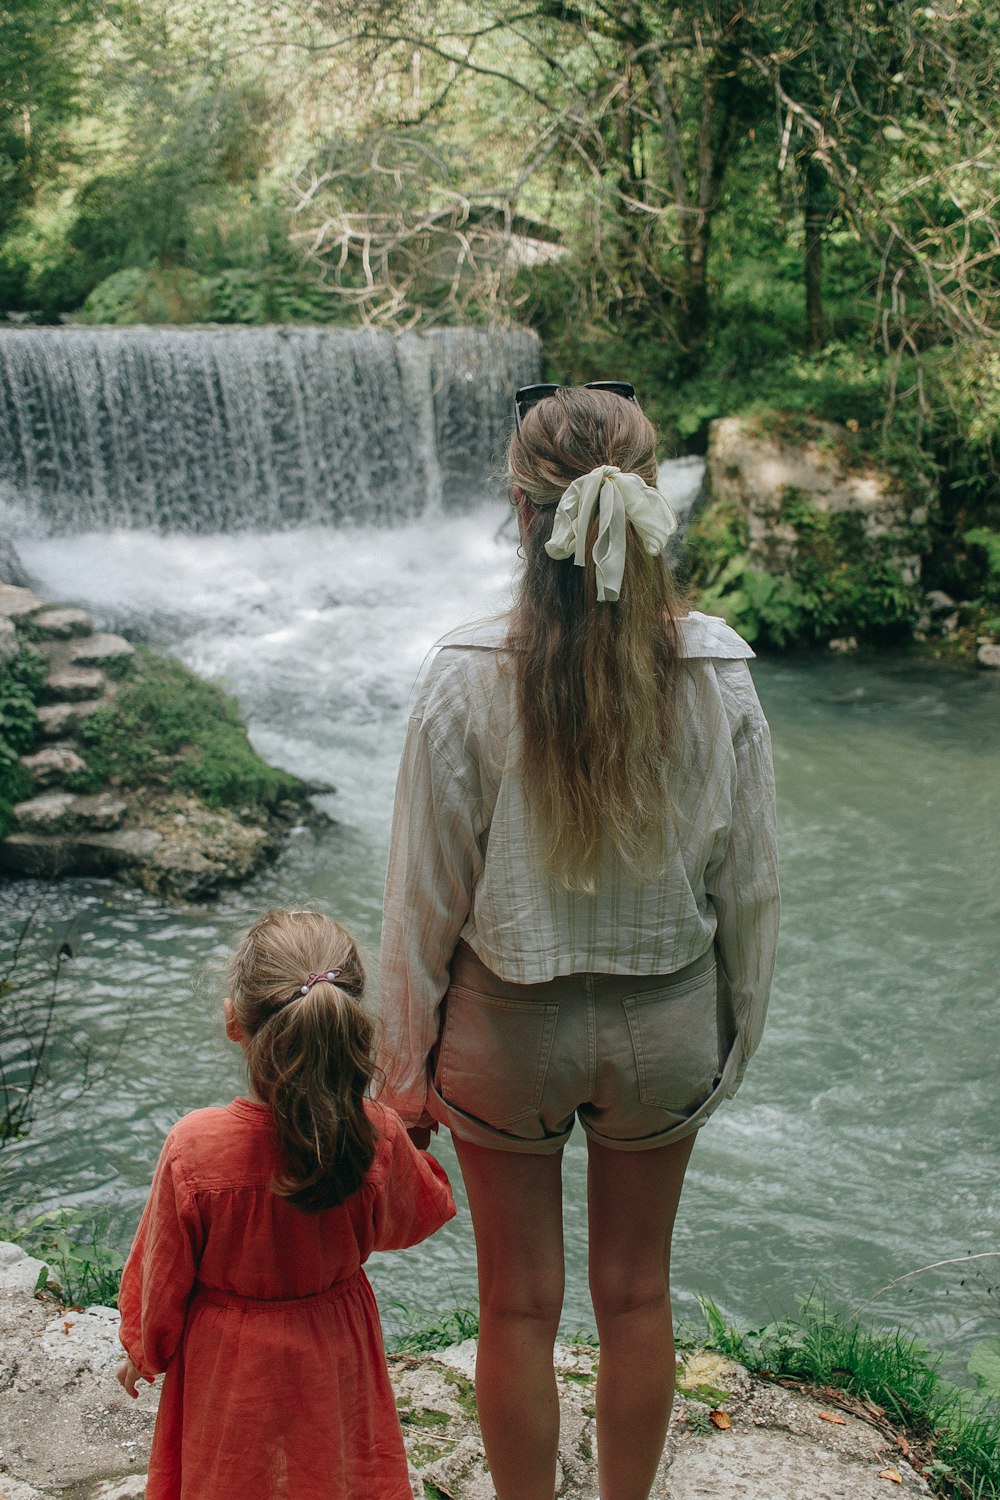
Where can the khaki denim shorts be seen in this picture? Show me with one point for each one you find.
(640, 1060)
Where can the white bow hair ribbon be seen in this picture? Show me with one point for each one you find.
(622, 497)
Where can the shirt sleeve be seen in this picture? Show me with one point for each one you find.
(412, 1195)
(161, 1269)
(743, 886)
(434, 863)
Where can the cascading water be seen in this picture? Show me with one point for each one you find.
(863, 1143)
(206, 430)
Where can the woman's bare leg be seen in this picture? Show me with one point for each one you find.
(516, 1204)
(632, 1203)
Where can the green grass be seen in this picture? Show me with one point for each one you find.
(425, 1338)
(168, 728)
(957, 1431)
(83, 1267)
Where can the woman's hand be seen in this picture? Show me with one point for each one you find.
(128, 1375)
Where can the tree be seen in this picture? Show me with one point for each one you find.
(623, 122)
(40, 84)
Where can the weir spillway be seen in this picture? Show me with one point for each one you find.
(224, 429)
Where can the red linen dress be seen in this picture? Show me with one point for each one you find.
(276, 1382)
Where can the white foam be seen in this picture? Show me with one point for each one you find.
(319, 633)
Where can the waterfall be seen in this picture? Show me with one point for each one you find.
(223, 429)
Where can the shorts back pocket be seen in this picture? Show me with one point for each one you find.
(494, 1055)
(676, 1042)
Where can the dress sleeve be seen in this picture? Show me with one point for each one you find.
(434, 863)
(411, 1196)
(743, 886)
(161, 1269)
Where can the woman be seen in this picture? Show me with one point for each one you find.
(580, 921)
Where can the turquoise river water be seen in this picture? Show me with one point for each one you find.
(864, 1142)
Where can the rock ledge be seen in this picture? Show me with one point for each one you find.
(169, 843)
(68, 1430)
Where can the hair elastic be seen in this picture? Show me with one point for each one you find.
(330, 975)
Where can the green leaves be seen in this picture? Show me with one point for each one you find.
(73, 1244)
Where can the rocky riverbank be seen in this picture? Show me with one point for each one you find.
(68, 1431)
(142, 795)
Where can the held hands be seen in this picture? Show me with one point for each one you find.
(128, 1375)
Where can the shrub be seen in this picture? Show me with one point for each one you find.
(85, 1268)
(837, 579)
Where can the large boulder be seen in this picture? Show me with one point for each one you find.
(802, 536)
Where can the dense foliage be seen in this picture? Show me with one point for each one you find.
(781, 203)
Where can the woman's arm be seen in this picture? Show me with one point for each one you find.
(434, 862)
(744, 888)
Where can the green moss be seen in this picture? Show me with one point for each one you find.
(465, 1391)
(167, 728)
(708, 1395)
(411, 1416)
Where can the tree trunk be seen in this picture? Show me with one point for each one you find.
(815, 214)
(720, 119)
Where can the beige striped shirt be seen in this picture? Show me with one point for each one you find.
(466, 856)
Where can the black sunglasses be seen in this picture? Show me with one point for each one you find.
(530, 395)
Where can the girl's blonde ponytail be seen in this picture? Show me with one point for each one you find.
(309, 1055)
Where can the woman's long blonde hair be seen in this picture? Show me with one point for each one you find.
(594, 682)
(309, 1056)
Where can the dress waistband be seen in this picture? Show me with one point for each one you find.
(220, 1298)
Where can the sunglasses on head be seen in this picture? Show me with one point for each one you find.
(530, 395)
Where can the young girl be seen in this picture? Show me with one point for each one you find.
(244, 1282)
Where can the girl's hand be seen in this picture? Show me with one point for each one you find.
(128, 1374)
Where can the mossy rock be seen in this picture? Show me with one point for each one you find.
(166, 728)
(803, 538)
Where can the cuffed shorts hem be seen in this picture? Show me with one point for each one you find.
(478, 1133)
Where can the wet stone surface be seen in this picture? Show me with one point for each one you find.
(69, 1432)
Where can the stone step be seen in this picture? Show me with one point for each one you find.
(75, 684)
(52, 812)
(62, 624)
(58, 719)
(19, 604)
(83, 853)
(101, 650)
(101, 812)
(54, 765)
(62, 813)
